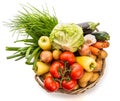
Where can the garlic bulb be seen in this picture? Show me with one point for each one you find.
(89, 39)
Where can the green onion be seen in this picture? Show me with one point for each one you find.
(19, 58)
(25, 40)
(33, 23)
(35, 61)
(12, 48)
(13, 56)
(32, 55)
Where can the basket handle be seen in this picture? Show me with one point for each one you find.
(40, 82)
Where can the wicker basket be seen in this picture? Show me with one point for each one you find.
(39, 79)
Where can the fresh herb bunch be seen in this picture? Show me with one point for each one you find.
(34, 23)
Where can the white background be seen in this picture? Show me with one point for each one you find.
(17, 81)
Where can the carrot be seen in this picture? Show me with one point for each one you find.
(106, 44)
(101, 44)
(94, 50)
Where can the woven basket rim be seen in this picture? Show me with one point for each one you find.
(78, 91)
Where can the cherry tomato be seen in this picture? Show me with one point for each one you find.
(54, 69)
(68, 56)
(77, 71)
(69, 85)
(51, 85)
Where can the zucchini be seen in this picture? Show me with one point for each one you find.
(101, 36)
(88, 27)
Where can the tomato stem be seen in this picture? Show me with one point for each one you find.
(64, 73)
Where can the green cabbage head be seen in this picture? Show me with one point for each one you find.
(67, 37)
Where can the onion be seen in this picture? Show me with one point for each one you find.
(46, 56)
(85, 50)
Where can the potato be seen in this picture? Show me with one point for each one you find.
(93, 56)
(56, 54)
(46, 75)
(94, 77)
(85, 78)
(76, 87)
(83, 84)
(99, 65)
(103, 54)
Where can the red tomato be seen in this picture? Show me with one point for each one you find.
(77, 71)
(69, 85)
(54, 69)
(68, 56)
(51, 85)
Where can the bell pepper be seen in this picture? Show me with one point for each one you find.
(86, 62)
(42, 68)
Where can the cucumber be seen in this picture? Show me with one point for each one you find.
(88, 27)
(101, 36)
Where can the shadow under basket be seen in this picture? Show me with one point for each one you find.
(39, 80)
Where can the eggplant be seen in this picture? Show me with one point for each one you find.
(88, 27)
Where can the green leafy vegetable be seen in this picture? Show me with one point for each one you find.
(33, 23)
(67, 37)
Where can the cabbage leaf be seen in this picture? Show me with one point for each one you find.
(67, 37)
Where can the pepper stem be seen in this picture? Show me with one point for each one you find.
(92, 66)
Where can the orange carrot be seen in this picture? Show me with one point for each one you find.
(106, 44)
(94, 50)
(99, 45)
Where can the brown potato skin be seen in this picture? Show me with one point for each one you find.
(103, 54)
(85, 78)
(56, 54)
(93, 56)
(99, 65)
(94, 77)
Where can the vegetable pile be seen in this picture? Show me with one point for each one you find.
(67, 56)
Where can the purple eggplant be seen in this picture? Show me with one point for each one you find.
(88, 27)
